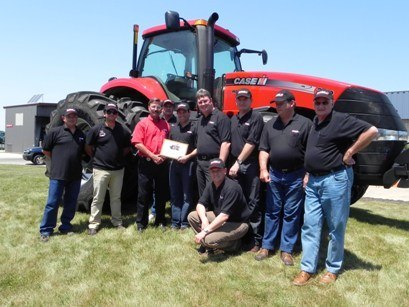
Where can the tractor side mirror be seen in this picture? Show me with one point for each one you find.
(264, 56)
(172, 20)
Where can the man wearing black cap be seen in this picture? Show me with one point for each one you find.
(182, 170)
(282, 149)
(246, 128)
(167, 112)
(334, 139)
(213, 137)
(221, 215)
(108, 143)
(64, 145)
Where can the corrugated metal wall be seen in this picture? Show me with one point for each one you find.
(400, 100)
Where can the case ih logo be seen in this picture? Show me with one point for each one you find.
(250, 81)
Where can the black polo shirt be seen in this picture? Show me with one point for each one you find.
(330, 139)
(109, 146)
(186, 134)
(228, 198)
(246, 129)
(172, 120)
(286, 143)
(66, 151)
(212, 131)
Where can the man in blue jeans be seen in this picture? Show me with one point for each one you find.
(333, 140)
(64, 145)
(183, 169)
(282, 149)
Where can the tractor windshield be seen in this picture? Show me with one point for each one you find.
(171, 58)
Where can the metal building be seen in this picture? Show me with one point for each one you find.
(400, 100)
(25, 125)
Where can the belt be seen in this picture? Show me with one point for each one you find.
(324, 173)
(288, 170)
(206, 158)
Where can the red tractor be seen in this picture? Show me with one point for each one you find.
(180, 57)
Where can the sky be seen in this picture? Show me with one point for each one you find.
(56, 47)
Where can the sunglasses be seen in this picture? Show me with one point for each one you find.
(318, 103)
(112, 112)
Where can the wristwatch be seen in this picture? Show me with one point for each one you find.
(239, 162)
(206, 231)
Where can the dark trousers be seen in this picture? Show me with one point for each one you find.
(151, 178)
(203, 175)
(248, 178)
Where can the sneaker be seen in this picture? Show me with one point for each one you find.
(151, 217)
(92, 231)
(44, 238)
(182, 228)
(174, 227)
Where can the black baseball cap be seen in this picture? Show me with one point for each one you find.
(216, 163)
(183, 106)
(111, 106)
(322, 92)
(243, 92)
(283, 95)
(70, 111)
(166, 101)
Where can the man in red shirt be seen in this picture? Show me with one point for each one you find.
(148, 138)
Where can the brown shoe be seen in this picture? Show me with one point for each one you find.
(328, 278)
(302, 278)
(287, 258)
(263, 253)
(255, 249)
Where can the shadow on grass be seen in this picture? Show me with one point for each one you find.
(365, 216)
(219, 257)
(353, 262)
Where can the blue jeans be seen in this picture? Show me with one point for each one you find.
(326, 197)
(71, 190)
(180, 180)
(284, 201)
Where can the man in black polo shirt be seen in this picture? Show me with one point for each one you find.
(182, 170)
(221, 216)
(282, 149)
(213, 137)
(246, 128)
(64, 145)
(108, 143)
(334, 139)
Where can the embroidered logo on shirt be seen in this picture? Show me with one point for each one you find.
(210, 122)
(221, 196)
(101, 133)
(295, 132)
(189, 132)
(247, 124)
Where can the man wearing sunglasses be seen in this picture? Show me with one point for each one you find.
(333, 141)
(108, 143)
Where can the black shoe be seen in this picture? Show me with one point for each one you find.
(92, 232)
(139, 229)
(201, 250)
(44, 238)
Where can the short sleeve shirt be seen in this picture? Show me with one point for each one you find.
(246, 129)
(212, 131)
(66, 151)
(151, 134)
(186, 134)
(330, 139)
(228, 198)
(109, 145)
(286, 144)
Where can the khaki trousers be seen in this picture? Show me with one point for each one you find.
(102, 180)
(227, 237)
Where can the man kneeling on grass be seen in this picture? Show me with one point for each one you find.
(220, 219)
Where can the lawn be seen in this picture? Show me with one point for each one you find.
(163, 268)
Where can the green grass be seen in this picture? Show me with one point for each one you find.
(124, 268)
